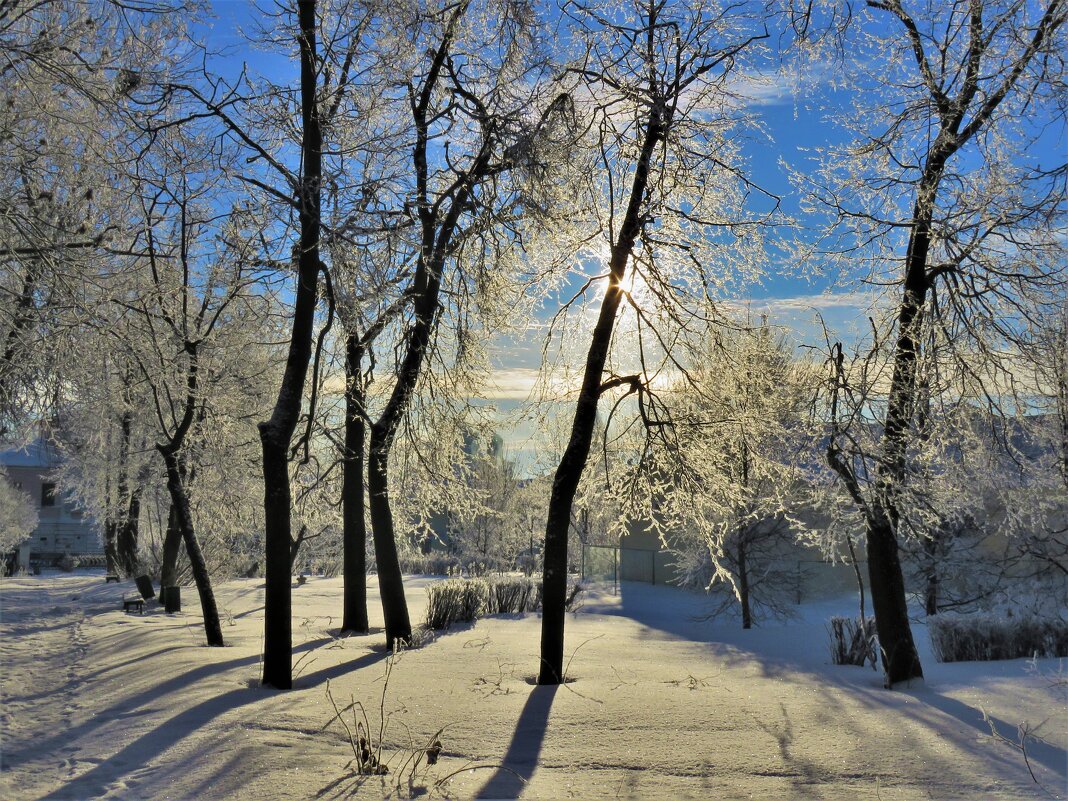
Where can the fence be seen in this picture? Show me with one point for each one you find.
(802, 579)
(611, 564)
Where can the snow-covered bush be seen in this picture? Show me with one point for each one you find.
(455, 601)
(420, 565)
(988, 637)
(512, 594)
(464, 600)
(18, 517)
(853, 641)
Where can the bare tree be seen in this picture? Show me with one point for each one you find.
(458, 97)
(655, 74)
(61, 74)
(939, 183)
(741, 422)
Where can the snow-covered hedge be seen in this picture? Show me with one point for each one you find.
(988, 637)
(455, 601)
(463, 600)
(421, 565)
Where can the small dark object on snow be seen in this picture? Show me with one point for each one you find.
(369, 762)
(133, 602)
(433, 753)
(110, 578)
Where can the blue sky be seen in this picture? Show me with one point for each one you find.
(795, 126)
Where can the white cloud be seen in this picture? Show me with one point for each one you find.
(511, 383)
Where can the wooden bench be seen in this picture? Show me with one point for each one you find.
(133, 602)
(110, 578)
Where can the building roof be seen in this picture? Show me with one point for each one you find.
(39, 453)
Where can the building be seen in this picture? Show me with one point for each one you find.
(62, 528)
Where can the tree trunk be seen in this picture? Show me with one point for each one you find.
(900, 658)
(172, 541)
(390, 581)
(129, 532)
(573, 462)
(122, 500)
(180, 503)
(111, 553)
(930, 553)
(276, 433)
(354, 618)
(277, 608)
(743, 587)
(901, 661)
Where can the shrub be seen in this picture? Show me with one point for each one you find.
(980, 638)
(425, 565)
(67, 563)
(509, 595)
(853, 641)
(463, 600)
(455, 601)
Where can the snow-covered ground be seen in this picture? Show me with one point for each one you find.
(98, 703)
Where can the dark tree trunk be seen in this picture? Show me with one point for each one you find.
(743, 587)
(276, 433)
(901, 661)
(354, 618)
(930, 554)
(438, 224)
(23, 316)
(277, 613)
(979, 106)
(390, 581)
(172, 541)
(129, 532)
(122, 500)
(180, 505)
(573, 462)
(111, 552)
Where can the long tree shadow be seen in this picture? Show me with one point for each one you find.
(150, 745)
(125, 707)
(521, 759)
(1037, 750)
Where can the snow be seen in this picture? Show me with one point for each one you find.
(100, 704)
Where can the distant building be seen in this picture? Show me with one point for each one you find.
(62, 528)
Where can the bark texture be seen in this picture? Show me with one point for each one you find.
(354, 618)
(573, 462)
(276, 432)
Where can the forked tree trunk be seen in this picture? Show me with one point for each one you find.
(354, 618)
(276, 432)
(438, 224)
(180, 504)
(961, 118)
(573, 462)
(901, 661)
